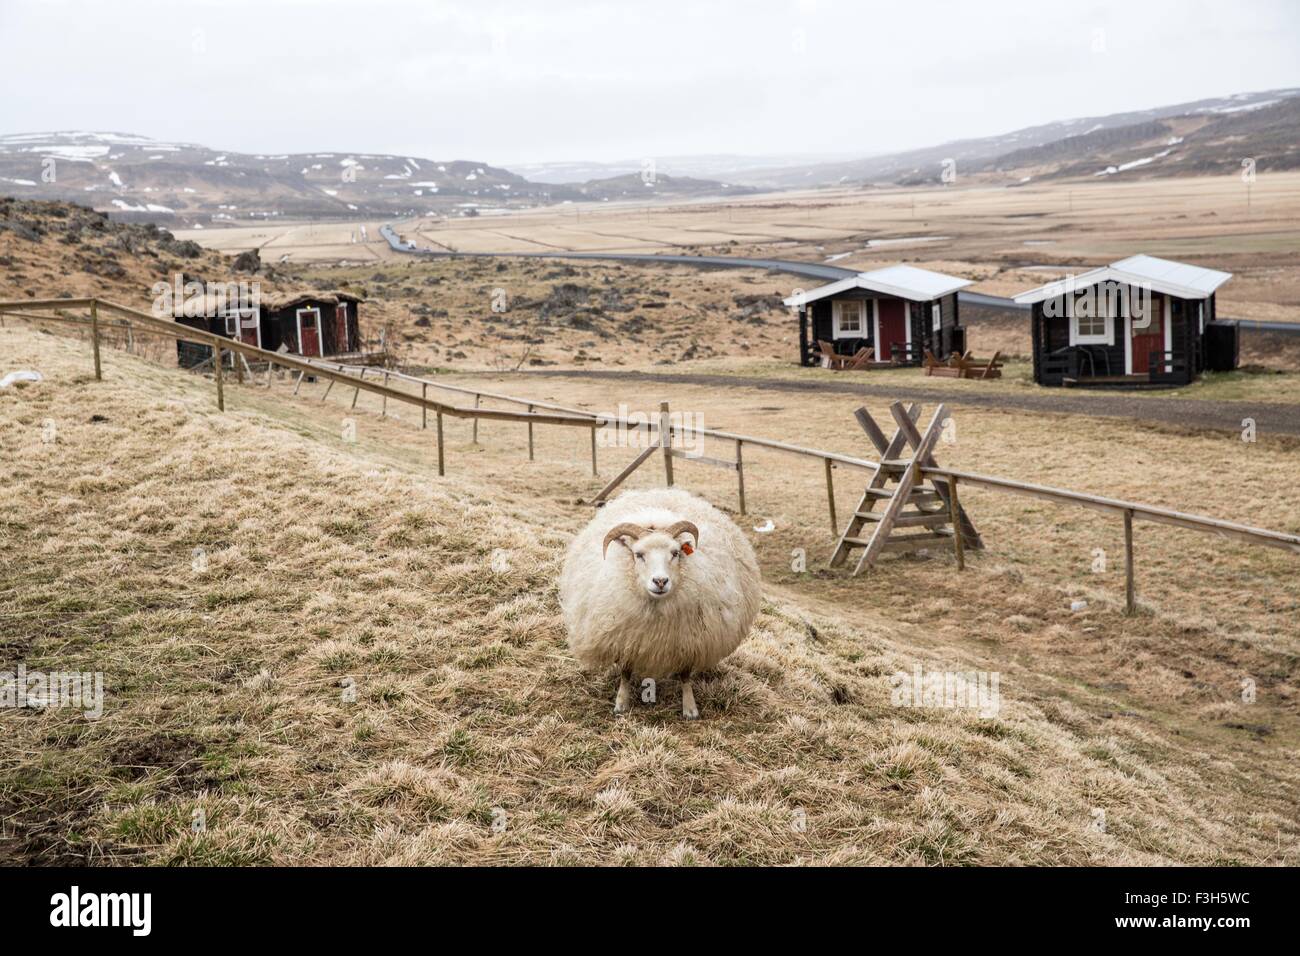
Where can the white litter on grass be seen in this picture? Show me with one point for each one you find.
(26, 375)
(1078, 605)
(767, 527)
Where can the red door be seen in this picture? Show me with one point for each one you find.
(1148, 338)
(893, 327)
(341, 327)
(309, 332)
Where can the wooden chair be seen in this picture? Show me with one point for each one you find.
(830, 358)
(861, 359)
(953, 368)
(991, 369)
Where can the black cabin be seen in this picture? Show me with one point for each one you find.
(1138, 322)
(311, 324)
(900, 311)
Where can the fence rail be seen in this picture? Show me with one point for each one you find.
(564, 416)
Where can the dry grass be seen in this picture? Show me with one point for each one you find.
(474, 738)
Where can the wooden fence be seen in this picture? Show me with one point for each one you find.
(546, 413)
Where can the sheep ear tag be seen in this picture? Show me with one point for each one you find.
(686, 548)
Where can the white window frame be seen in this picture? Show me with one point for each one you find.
(837, 331)
(936, 317)
(238, 318)
(1106, 337)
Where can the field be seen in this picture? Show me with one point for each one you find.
(317, 651)
(1006, 239)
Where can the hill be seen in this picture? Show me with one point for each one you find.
(1217, 134)
(316, 652)
(186, 184)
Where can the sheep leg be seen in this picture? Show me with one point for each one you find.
(623, 700)
(689, 710)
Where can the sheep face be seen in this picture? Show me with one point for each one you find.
(657, 562)
(656, 556)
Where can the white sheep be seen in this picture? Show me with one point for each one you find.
(659, 584)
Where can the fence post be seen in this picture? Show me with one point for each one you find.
(94, 334)
(593, 451)
(530, 434)
(740, 473)
(1130, 598)
(666, 442)
(954, 518)
(441, 458)
(476, 402)
(383, 412)
(216, 366)
(130, 338)
(830, 496)
(239, 368)
(357, 390)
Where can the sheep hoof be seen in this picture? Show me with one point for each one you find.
(691, 714)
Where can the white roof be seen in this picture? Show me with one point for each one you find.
(906, 282)
(1159, 275)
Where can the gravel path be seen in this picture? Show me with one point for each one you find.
(1271, 418)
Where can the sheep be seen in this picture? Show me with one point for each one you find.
(659, 584)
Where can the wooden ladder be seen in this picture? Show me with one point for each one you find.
(924, 511)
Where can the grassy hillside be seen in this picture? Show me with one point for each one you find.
(326, 654)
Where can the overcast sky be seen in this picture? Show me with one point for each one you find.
(504, 82)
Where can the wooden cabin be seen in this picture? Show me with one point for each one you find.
(900, 311)
(311, 324)
(1138, 322)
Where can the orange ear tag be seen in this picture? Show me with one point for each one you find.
(686, 548)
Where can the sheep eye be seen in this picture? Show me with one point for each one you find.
(676, 553)
(639, 555)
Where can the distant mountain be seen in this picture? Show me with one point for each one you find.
(722, 167)
(635, 186)
(134, 177)
(137, 177)
(1014, 151)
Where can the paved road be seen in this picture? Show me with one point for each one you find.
(1271, 418)
(809, 270)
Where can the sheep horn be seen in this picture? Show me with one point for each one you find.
(677, 527)
(616, 532)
